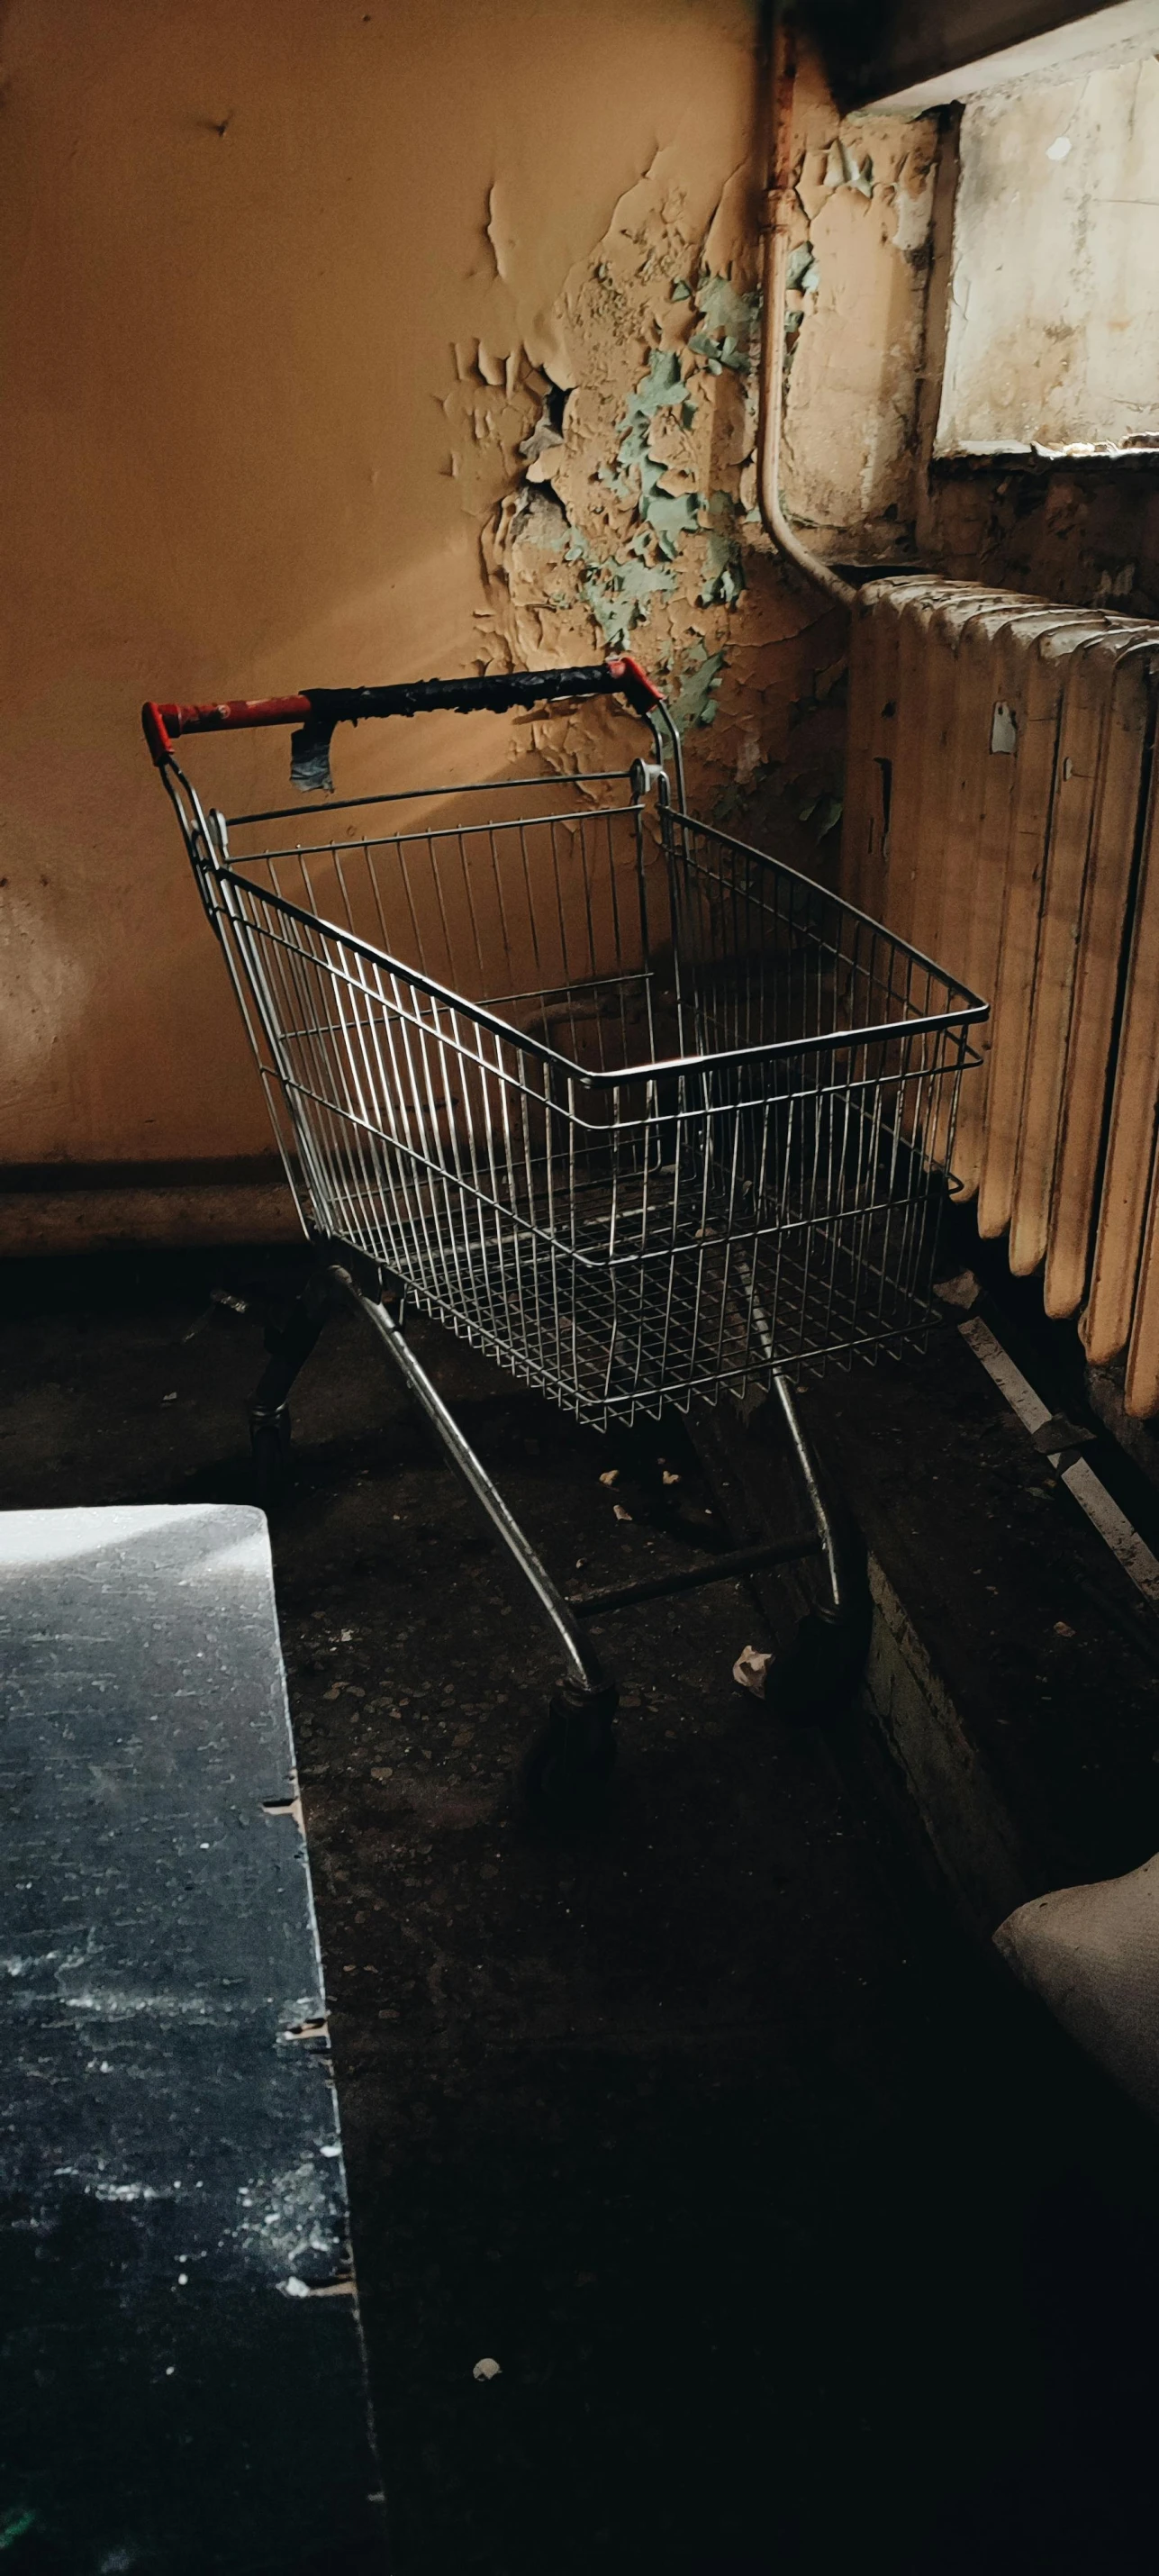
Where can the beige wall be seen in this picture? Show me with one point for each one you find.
(286, 287)
(262, 263)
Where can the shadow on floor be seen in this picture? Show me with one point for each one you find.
(802, 2243)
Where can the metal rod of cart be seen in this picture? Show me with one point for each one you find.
(633, 1108)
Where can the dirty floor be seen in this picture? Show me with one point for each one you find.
(802, 2243)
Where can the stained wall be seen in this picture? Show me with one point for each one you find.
(1056, 235)
(1047, 280)
(359, 342)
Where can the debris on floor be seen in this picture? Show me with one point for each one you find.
(751, 1670)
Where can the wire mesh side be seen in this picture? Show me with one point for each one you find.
(766, 956)
(626, 1242)
(861, 1127)
(529, 911)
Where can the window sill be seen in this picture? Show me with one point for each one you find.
(1021, 457)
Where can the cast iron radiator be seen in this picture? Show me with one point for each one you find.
(1001, 814)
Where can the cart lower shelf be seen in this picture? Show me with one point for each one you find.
(609, 1337)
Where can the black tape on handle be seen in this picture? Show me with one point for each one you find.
(496, 690)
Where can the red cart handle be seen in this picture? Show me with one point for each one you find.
(317, 711)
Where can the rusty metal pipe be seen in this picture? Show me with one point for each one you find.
(776, 224)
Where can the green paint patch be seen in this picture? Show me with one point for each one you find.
(802, 270)
(729, 323)
(694, 702)
(724, 310)
(620, 596)
(823, 812)
(723, 579)
(719, 354)
(620, 591)
(829, 812)
(15, 2526)
(661, 386)
(668, 516)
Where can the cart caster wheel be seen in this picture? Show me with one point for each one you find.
(270, 1444)
(818, 1676)
(565, 1772)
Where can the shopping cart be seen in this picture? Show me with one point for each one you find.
(628, 1105)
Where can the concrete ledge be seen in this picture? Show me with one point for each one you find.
(36, 1222)
(971, 1835)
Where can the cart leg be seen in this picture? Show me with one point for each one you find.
(568, 1766)
(817, 1676)
(269, 1416)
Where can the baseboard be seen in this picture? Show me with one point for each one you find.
(81, 1215)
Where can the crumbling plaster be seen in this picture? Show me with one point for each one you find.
(606, 445)
(628, 515)
(861, 258)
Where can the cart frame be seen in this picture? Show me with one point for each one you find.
(324, 1019)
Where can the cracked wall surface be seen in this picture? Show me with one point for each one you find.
(860, 265)
(628, 520)
(390, 341)
(607, 449)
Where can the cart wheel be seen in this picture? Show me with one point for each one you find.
(565, 1772)
(270, 1443)
(817, 1677)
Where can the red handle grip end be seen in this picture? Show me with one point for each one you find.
(631, 676)
(156, 730)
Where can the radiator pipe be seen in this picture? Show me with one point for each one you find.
(776, 224)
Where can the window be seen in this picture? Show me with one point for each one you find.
(1053, 332)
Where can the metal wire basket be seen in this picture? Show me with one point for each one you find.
(635, 1108)
(631, 1106)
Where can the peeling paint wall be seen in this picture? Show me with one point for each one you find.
(628, 418)
(381, 340)
(374, 341)
(631, 498)
(859, 271)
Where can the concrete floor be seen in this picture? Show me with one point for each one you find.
(803, 2244)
